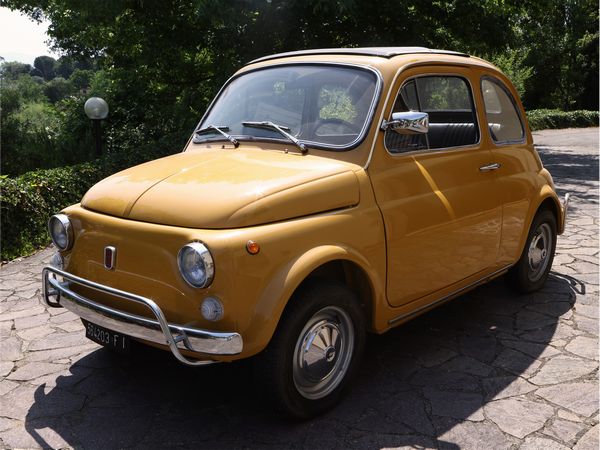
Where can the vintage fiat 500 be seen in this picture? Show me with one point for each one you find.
(323, 195)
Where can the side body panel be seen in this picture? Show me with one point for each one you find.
(442, 214)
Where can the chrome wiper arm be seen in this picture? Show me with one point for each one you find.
(273, 126)
(227, 136)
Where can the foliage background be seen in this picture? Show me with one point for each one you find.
(158, 63)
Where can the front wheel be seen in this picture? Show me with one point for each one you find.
(531, 271)
(315, 350)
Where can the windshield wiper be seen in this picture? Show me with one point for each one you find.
(221, 130)
(267, 125)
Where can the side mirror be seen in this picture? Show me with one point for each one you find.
(409, 122)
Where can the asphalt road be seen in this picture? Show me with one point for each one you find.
(490, 370)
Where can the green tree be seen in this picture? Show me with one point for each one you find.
(57, 89)
(81, 79)
(46, 65)
(11, 70)
(170, 57)
(562, 39)
(36, 133)
(30, 89)
(165, 60)
(65, 67)
(513, 64)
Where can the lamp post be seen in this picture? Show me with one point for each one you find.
(97, 110)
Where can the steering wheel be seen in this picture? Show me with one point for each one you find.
(338, 123)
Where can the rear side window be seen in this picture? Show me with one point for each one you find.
(452, 118)
(503, 119)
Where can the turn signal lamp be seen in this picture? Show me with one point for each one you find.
(252, 247)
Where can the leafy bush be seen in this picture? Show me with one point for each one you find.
(43, 123)
(58, 88)
(513, 64)
(27, 201)
(28, 138)
(540, 119)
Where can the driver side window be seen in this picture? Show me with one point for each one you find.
(448, 101)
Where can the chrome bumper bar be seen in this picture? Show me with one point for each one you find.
(565, 207)
(57, 294)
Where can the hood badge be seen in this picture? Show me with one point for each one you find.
(110, 256)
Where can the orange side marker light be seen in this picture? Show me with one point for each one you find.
(252, 247)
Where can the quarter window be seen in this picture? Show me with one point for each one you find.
(503, 119)
(452, 119)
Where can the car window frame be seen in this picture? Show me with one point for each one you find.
(310, 144)
(513, 101)
(443, 149)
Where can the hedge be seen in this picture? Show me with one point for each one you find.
(541, 119)
(27, 201)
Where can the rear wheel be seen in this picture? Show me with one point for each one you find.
(531, 271)
(315, 350)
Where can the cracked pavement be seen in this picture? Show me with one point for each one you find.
(490, 369)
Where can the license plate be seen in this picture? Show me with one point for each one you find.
(108, 338)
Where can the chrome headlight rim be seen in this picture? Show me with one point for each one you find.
(63, 219)
(207, 260)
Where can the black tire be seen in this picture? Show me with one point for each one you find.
(526, 276)
(283, 370)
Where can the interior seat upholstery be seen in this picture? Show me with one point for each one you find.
(443, 135)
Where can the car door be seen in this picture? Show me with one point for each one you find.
(437, 191)
(512, 148)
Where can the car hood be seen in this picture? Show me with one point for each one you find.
(226, 188)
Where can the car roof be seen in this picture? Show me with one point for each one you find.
(383, 52)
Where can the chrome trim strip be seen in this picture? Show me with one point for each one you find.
(113, 254)
(490, 167)
(565, 210)
(66, 223)
(450, 296)
(382, 52)
(158, 331)
(207, 259)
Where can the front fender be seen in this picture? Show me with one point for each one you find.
(279, 291)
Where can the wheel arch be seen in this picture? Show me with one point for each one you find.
(552, 204)
(330, 262)
(546, 200)
(348, 273)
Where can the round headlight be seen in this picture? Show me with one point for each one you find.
(61, 231)
(196, 264)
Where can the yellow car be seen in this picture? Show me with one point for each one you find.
(324, 194)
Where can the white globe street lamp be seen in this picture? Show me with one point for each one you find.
(97, 110)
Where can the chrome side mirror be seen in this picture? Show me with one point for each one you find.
(408, 122)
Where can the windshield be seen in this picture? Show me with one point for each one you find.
(320, 105)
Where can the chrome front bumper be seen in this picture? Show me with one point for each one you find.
(58, 293)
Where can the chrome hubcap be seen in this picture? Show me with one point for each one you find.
(323, 352)
(540, 246)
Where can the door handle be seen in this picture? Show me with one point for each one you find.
(490, 167)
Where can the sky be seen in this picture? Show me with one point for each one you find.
(22, 39)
